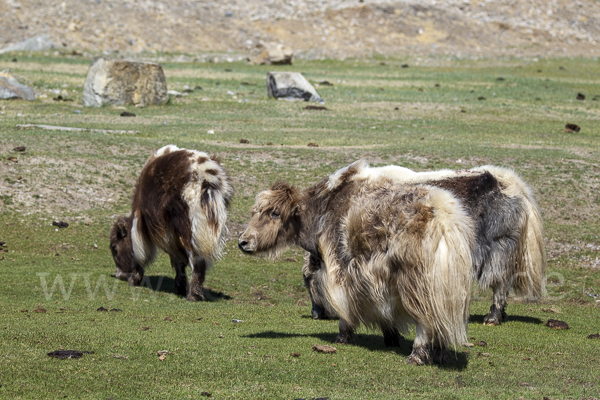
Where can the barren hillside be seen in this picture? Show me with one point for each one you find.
(338, 28)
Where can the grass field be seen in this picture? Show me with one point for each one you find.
(437, 113)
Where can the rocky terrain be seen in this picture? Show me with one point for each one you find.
(314, 28)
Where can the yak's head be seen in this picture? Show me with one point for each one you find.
(121, 248)
(274, 224)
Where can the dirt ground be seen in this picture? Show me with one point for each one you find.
(314, 28)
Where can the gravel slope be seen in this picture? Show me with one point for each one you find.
(315, 28)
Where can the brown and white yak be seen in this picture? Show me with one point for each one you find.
(509, 250)
(392, 254)
(179, 205)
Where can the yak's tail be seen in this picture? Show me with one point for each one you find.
(438, 296)
(529, 279)
(208, 197)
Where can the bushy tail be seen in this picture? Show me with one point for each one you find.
(438, 296)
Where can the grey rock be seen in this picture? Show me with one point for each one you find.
(36, 43)
(123, 82)
(10, 88)
(291, 86)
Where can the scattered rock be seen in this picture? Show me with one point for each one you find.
(481, 98)
(10, 88)
(273, 54)
(313, 145)
(244, 141)
(122, 82)
(36, 43)
(404, 66)
(66, 354)
(77, 112)
(168, 319)
(316, 108)
(206, 394)
(61, 98)
(120, 356)
(481, 343)
(127, 114)
(291, 86)
(468, 344)
(580, 96)
(102, 309)
(60, 224)
(295, 354)
(323, 348)
(572, 128)
(40, 310)
(483, 354)
(556, 324)
(594, 336)
(116, 310)
(500, 79)
(145, 328)
(20, 149)
(13, 159)
(237, 321)
(325, 83)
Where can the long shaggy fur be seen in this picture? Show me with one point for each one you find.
(392, 255)
(180, 206)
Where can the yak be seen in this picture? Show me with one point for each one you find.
(392, 255)
(509, 250)
(179, 205)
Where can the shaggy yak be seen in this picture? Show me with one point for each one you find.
(179, 205)
(509, 249)
(392, 254)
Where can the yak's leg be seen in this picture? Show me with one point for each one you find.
(391, 336)
(497, 313)
(317, 311)
(196, 292)
(181, 283)
(346, 334)
(420, 352)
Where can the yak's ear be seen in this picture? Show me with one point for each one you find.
(295, 209)
(121, 226)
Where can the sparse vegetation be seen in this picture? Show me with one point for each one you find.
(86, 179)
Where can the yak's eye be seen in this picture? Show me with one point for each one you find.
(275, 214)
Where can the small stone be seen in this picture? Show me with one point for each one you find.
(19, 148)
(580, 96)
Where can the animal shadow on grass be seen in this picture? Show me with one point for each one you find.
(166, 284)
(373, 342)
(518, 318)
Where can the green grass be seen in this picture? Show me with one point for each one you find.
(384, 113)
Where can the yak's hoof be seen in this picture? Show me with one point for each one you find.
(135, 279)
(419, 356)
(344, 339)
(195, 294)
(492, 319)
(121, 275)
(392, 339)
(318, 314)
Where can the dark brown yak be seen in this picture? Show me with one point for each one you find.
(179, 205)
(392, 255)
